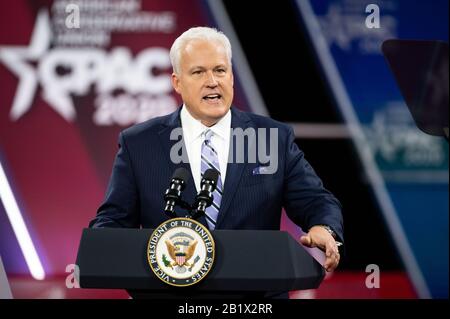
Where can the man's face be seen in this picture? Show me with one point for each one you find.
(205, 80)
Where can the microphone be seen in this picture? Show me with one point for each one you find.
(208, 185)
(173, 194)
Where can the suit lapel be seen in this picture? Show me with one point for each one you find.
(234, 170)
(171, 123)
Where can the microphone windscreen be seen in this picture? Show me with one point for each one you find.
(212, 175)
(182, 174)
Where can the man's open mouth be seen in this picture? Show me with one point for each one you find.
(212, 97)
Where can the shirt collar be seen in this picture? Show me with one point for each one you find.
(193, 128)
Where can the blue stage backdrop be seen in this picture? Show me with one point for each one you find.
(408, 169)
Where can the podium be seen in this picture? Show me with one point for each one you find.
(248, 263)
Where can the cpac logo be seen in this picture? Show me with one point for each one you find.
(66, 72)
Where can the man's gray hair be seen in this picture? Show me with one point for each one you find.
(197, 33)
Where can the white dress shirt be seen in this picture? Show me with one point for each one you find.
(193, 138)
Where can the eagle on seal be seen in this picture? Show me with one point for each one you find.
(179, 257)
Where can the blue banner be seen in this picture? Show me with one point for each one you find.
(413, 166)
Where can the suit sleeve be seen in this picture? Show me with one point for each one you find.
(120, 207)
(306, 201)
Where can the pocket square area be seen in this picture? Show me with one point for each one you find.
(260, 170)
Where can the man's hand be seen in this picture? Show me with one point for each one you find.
(321, 238)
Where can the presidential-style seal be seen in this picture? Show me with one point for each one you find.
(181, 252)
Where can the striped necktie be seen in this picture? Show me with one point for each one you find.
(211, 160)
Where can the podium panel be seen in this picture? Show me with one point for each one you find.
(245, 261)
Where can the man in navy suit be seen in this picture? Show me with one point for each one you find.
(251, 195)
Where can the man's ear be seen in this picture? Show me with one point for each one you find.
(176, 83)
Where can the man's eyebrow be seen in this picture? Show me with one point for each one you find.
(199, 67)
(196, 67)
